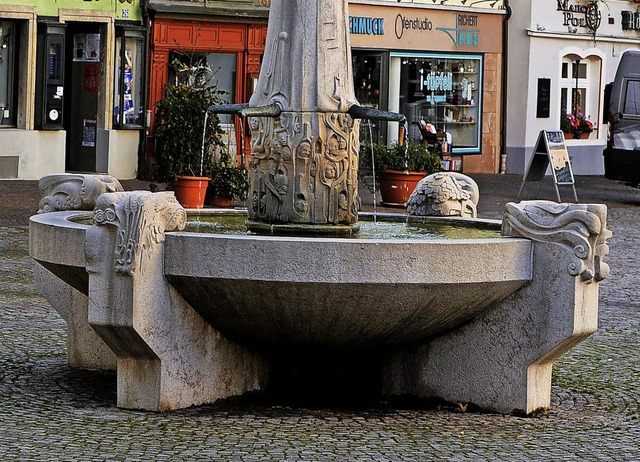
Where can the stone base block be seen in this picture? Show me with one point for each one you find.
(84, 347)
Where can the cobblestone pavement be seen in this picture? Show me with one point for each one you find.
(50, 412)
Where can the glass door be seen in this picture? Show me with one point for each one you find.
(368, 83)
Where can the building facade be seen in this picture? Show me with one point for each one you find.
(71, 87)
(561, 55)
(79, 78)
(224, 40)
(439, 65)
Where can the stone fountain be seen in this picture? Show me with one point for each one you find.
(191, 318)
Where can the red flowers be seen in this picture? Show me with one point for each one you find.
(578, 123)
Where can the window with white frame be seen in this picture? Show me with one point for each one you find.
(573, 86)
(580, 86)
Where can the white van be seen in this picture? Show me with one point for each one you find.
(622, 113)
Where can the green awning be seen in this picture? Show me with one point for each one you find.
(239, 10)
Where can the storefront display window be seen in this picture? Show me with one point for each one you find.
(8, 70)
(443, 91)
(128, 98)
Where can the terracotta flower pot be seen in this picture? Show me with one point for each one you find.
(396, 186)
(574, 136)
(191, 190)
(215, 200)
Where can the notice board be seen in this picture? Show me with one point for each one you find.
(551, 150)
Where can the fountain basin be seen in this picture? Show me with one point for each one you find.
(320, 291)
(342, 292)
(195, 317)
(56, 241)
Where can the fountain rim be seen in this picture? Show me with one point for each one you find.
(68, 219)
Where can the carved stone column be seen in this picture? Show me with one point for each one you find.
(305, 162)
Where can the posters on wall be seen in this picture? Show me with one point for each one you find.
(89, 132)
(86, 48)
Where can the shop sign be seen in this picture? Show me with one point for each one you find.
(415, 24)
(384, 27)
(440, 83)
(574, 15)
(366, 26)
(464, 34)
(630, 20)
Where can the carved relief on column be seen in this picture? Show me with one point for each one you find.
(74, 191)
(141, 218)
(304, 169)
(580, 228)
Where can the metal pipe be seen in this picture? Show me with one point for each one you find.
(243, 110)
(227, 108)
(359, 112)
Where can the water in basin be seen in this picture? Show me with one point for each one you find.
(397, 227)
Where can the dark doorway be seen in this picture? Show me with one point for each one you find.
(82, 87)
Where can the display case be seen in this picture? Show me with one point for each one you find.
(444, 91)
(50, 83)
(128, 91)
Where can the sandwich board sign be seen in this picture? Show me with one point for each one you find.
(550, 150)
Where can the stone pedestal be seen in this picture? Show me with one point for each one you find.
(502, 360)
(168, 356)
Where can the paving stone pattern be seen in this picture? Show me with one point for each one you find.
(50, 412)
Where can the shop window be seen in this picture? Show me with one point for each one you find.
(8, 73)
(128, 95)
(443, 92)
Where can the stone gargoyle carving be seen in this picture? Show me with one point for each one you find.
(142, 218)
(74, 191)
(580, 228)
(445, 194)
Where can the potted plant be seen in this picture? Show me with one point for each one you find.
(229, 182)
(183, 143)
(400, 168)
(576, 126)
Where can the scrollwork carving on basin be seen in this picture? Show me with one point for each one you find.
(580, 228)
(141, 218)
(74, 191)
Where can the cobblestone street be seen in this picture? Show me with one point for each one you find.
(51, 412)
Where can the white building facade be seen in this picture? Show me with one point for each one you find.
(561, 54)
